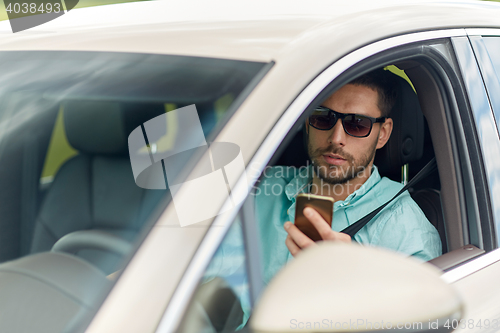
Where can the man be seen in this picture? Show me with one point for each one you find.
(342, 150)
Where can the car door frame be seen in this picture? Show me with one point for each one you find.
(469, 57)
(491, 81)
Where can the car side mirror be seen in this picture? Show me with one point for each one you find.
(338, 287)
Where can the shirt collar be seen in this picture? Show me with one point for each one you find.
(300, 183)
(370, 182)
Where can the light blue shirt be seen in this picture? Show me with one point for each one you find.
(401, 226)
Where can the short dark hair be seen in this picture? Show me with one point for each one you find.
(384, 83)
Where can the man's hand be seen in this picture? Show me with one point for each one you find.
(296, 240)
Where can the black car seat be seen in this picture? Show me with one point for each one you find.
(406, 146)
(95, 190)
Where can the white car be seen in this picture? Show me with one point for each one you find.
(107, 116)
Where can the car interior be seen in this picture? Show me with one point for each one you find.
(421, 132)
(92, 192)
(95, 190)
(409, 148)
(72, 213)
(78, 229)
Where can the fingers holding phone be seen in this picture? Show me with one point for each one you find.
(313, 219)
(296, 239)
(324, 229)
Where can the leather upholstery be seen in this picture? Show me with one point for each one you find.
(49, 292)
(429, 200)
(95, 127)
(407, 139)
(95, 190)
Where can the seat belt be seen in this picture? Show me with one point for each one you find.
(356, 226)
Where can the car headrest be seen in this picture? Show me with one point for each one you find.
(102, 128)
(406, 143)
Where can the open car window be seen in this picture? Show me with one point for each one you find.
(434, 122)
(289, 173)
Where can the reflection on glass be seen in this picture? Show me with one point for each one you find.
(222, 300)
(485, 121)
(66, 175)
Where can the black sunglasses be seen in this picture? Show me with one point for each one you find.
(355, 125)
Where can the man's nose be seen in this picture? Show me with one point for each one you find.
(338, 135)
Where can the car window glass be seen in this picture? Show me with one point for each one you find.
(73, 178)
(492, 45)
(222, 301)
(487, 52)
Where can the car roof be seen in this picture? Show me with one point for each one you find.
(258, 30)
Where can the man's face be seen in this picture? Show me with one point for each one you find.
(337, 156)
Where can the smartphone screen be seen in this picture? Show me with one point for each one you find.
(323, 205)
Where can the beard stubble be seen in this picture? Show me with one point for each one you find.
(333, 174)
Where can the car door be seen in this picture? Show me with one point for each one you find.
(467, 203)
(478, 59)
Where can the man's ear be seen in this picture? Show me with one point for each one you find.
(385, 133)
